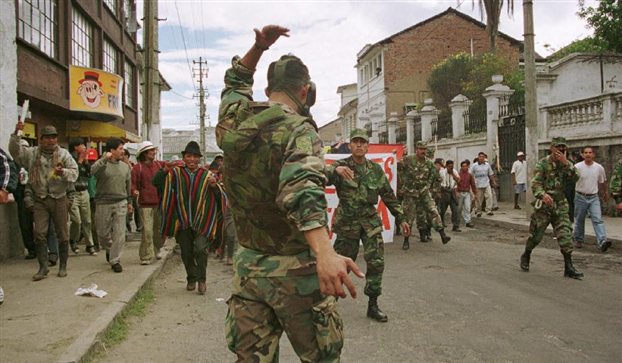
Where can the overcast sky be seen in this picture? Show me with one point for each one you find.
(327, 35)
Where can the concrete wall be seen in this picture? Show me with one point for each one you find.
(10, 236)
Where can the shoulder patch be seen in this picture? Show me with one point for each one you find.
(304, 144)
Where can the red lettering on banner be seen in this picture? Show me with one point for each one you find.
(387, 168)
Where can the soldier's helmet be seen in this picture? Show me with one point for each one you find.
(559, 141)
(421, 145)
(359, 133)
(287, 72)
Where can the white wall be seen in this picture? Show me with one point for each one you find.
(8, 72)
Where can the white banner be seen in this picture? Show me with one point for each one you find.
(388, 163)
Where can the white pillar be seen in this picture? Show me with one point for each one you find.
(428, 113)
(391, 125)
(494, 95)
(410, 131)
(459, 105)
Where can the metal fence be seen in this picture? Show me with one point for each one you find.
(441, 126)
(475, 119)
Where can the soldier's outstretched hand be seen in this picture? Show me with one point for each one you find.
(405, 229)
(332, 271)
(265, 37)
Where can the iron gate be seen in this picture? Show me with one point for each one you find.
(511, 131)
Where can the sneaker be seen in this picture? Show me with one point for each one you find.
(74, 247)
(117, 267)
(145, 262)
(1, 296)
(479, 214)
(91, 250)
(470, 225)
(159, 254)
(605, 246)
(490, 213)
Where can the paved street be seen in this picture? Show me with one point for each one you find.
(466, 301)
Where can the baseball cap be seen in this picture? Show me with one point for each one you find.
(91, 154)
(360, 133)
(49, 130)
(520, 153)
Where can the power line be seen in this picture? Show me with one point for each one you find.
(181, 29)
(180, 95)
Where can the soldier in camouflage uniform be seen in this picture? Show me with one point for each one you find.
(551, 206)
(359, 183)
(615, 185)
(418, 176)
(286, 273)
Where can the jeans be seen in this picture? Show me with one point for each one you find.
(465, 204)
(583, 204)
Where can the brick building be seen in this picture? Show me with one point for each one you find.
(55, 36)
(392, 73)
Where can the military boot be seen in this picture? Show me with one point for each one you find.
(374, 312)
(63, 253)
(42, 257)
(569, 270)
(524, 260)
(428, 233)
(444, 238)
(423, 236)
(406, 244)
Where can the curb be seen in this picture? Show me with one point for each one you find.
(525, 228)
(90, 338)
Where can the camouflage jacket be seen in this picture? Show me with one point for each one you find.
(357, 197)
(274, 176)
(551, 178)
(417, 177)
(615, 185)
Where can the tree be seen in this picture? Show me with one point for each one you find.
(446, 79)
(606, 20)
(585, 45)
(492, 8)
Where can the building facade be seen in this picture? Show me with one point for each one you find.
(59, 41)
(392, 74)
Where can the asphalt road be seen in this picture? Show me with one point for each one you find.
(467, 301)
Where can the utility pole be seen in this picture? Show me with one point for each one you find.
(201, 62)
(531, 100)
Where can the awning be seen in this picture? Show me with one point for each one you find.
(99, 130)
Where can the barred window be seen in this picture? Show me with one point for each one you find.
(82, 40)
(127, 12)
(111, 56)
(112, 5)
(129, 84)
(38, 24)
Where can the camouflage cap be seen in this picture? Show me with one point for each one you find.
(48, 130)
(289, 70)
(421, 145)
(559, 141)
(360, 133)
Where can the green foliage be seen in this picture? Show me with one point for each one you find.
(461, 74)
(586, 45)
(606, 20)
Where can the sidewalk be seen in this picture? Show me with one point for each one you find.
(508, 217)
(44, 321)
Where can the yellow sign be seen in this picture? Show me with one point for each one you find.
(95, 93)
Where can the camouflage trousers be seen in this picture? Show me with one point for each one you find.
(373, 252)
(557, 216)
(261, 308)
(422, 209)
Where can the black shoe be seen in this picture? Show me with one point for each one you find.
(524, 260)
(456, 229)
(74, 247)
(423, 237)
(52, 259)
(605, 246)
(374, 312)
(495, 208)
(91, 250)
(406, 244)
(30, 256)
(444, 238)
(490, 214)
(117, 267)
(569, 270)
(470, 225)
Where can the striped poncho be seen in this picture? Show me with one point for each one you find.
(189, 201)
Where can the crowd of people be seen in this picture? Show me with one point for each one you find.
(266, 195)
(66, 197)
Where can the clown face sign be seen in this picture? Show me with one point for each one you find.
(96, 94)
(91, 89)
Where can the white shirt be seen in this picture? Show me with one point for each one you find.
(589, 177)
(446, 180)
(519, 169)
(482, 174)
